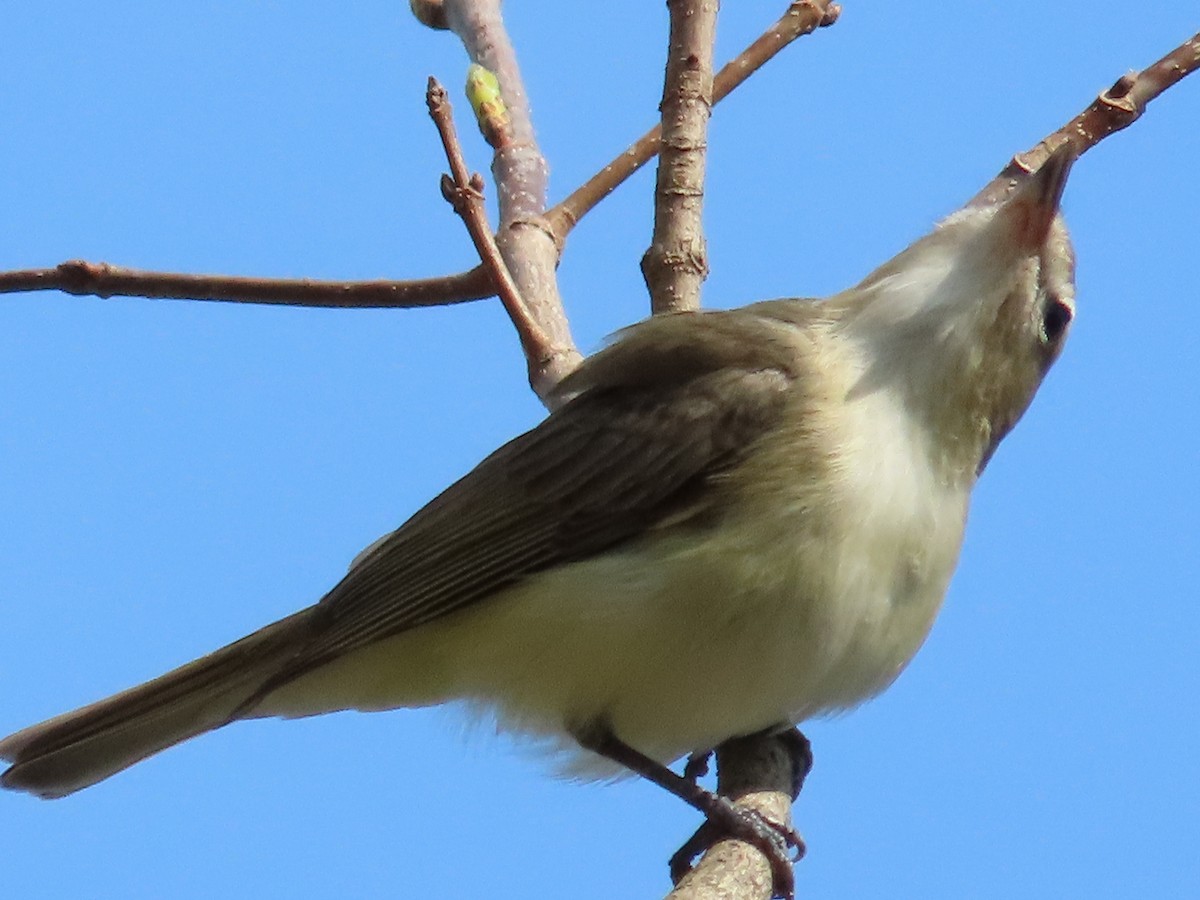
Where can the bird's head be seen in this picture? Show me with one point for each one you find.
(965, 322)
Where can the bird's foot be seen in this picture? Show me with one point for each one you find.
(696, 766)
(781, 844)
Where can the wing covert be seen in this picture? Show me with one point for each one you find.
(628, 452)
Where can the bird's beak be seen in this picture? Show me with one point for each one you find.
(1032, 207)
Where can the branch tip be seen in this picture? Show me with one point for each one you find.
(464, 192)
(430, 13)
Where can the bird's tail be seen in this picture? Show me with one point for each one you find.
(77, 749)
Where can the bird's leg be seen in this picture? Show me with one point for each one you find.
(725, 819)
(802, 758)
(696, 766)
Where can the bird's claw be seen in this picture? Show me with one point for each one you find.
(781, 844)
(696, 766)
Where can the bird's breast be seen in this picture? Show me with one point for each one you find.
(808, 593)
(881, 552)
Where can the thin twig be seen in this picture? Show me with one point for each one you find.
(802, 17)
(1113, 110)
(100, 279)
(676, 263)
(520, 174)
(464, 191)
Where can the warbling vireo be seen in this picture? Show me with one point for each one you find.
(735, 520)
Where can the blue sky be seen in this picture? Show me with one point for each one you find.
(177, 474)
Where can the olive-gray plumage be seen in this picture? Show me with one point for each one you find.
(733, 520)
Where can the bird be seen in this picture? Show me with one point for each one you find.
(731, 521)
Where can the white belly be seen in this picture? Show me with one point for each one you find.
(782, 612)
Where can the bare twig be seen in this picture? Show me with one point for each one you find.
(1115, 109)
(465, 194)
(102, 279)
(802, 17)
(520, 173)
(676, 263)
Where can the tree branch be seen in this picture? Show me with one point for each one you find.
(520, 172)
(1113, 110)
(676, 263)
(102, 279)
(465, 193)
(802, 17)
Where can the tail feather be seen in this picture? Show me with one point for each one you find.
(77, 749)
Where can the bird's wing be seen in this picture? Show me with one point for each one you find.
(651, 420)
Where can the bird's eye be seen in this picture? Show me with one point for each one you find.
(1055, 318)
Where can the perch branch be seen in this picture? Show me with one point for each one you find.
(802, 17)
(676, 263)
